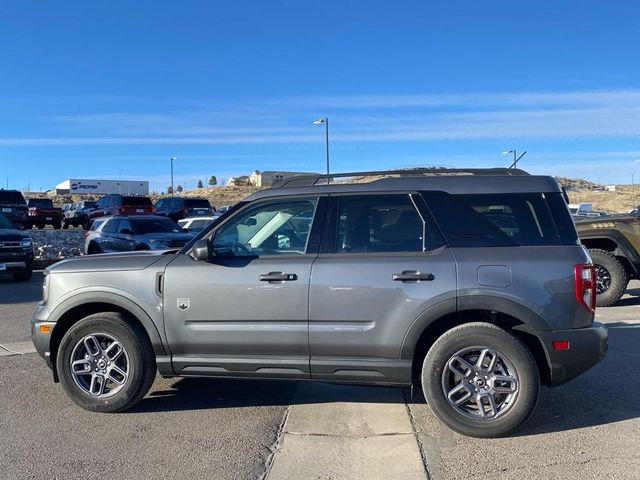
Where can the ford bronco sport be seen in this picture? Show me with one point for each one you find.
(471, 284)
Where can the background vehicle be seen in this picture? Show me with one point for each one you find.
(78, 214)
(221, 211)
(14, 207)
(42, 213)
(121, 205)
(127, 233)
(614, 245)
(195, 224)
(16, 251)
(580, 208)
(473, 286)
(177, 208)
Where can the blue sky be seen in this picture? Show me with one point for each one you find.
(113, 89)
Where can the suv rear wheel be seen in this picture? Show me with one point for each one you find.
(105, 364)
(480, 380)
(611, 277)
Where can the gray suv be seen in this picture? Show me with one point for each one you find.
(471, 285)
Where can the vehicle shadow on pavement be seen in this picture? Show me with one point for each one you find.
(12, 291)
(631, 298)
(205, 393)
(605, 394)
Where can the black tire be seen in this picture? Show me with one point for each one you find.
(479, 335)
(139, 355)
(93, 249)
(41, 226)
(23, 276)
(65, 225)
(57, 226)
(611, 277)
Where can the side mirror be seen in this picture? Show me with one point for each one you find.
(202, 250)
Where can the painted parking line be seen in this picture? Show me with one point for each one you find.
(19, 348)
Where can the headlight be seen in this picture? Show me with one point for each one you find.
(26, 242)
(45, 289)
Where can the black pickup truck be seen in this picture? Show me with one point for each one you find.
(16, 251)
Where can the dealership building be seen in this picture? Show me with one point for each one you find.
(76, 186)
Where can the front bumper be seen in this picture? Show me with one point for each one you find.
(41, 331)
(587, 347)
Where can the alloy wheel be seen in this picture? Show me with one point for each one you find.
(480, 383)
(100, 365)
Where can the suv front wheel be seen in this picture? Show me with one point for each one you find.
(105, 364)
(480, 380)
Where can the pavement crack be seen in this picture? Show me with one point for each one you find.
(275, 447)
(332, 435)
(415, 427)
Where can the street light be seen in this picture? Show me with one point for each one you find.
(325, 120)
(172, 159)
(516, 159)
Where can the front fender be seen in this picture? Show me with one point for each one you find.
(120, 299)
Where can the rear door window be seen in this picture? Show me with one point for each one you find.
(509, 219)
(378, 224)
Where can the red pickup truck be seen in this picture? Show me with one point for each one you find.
(42, 212)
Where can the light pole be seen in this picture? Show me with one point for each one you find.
(172, 159)
(516, 158)
(325, 120)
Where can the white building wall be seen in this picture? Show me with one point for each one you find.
(123, 187)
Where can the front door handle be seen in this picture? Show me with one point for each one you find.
(413, 276)
(278, 277)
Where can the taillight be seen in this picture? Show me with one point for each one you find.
(122, 210)
(585, 286)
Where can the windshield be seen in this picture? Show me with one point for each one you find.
(40, 202)
(137, 201)
(197, 203)
(5, 222)
(144, 226)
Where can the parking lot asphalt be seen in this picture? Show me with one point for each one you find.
(227, 429)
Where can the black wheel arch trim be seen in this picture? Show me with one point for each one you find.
(87, 298)
(531, 321)
(624, 245)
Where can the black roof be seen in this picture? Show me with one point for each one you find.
(456, 181)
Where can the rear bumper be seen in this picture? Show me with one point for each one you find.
(587, 347)
(44, 218)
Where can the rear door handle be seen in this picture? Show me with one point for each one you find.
(413, 276)
(278, 277)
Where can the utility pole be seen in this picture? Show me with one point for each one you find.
(325, 120)
(172, 190)
(516, 158)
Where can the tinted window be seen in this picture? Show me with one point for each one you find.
(519, 219)
(137, 201)
(5, 222)
(197, 203)
(40, 202)
(160, 203)
(111, 226)
(89, 205)
(96, 224)
(380, 223)
(143, 226)
(272, 228)
(12, 197)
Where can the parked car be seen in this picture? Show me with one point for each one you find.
(121, 205)
(16, 251)
(411, 280)
(195, 224)
(14, 207)
(78, 214)
(128, 233)
(177, 208)
(42, 213)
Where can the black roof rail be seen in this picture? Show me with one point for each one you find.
(311, 180)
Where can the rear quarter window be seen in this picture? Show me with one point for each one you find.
(505, 219)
